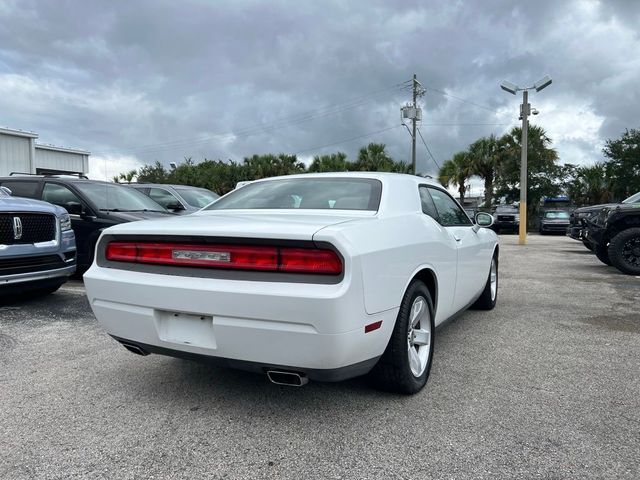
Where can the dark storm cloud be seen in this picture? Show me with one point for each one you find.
(140, 81)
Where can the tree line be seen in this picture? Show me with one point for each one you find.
(222, 176)
(495, 160)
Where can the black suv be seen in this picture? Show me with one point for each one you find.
(92, 205)
(615, 236)
(580, 216)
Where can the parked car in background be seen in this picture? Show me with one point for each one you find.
(37, 246)
(554, 221)
(181, 199)
(92, 205)
(580, 216)
(316, 276)
(615, 235)
(507, 218)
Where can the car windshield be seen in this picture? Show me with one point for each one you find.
(506, 209)
(556, 215)
(305, 193)
(632, 199)
(197, 197)
(112, 197)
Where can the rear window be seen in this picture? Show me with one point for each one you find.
(305, 193)
(22, 189)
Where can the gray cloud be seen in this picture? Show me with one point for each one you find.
(140, 81)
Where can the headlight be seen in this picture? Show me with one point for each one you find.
(65, 222)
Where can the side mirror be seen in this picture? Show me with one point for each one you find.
(6, 190)
(175, 206)
(484, 219)
(74, 208)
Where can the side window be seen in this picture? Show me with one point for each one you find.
(427, 204)
(59, 194)
(22, 189)
(449, 211)
(162, 197)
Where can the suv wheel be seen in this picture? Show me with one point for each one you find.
(624, 251)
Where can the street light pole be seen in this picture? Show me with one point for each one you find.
(524, 109)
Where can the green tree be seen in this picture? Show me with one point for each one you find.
(456, 171)
(545, 176)
(335, 162)
(485, 156)
(623, 165)
(128, 176)
(264, 166)
(590, 185)
(155, 173)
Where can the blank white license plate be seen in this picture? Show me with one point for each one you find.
(185, 328)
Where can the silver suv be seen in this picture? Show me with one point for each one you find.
(37, 246)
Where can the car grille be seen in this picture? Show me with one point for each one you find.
(506, 218)
(35, 228)
(16, 265)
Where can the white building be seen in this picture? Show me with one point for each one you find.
(20, 153)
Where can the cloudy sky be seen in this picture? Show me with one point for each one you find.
(139, 81)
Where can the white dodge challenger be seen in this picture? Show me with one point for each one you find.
(315, 276)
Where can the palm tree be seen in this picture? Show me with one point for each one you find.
(485, 156)
(336, 162)
(129, 176)
(455, 172)
(374, 158)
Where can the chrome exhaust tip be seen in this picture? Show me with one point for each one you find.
(135, 349)
(290, 379)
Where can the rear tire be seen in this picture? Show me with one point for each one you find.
(489, 296)
(405, 364)
(624, 251)
(602, 252)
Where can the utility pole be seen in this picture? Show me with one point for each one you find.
(525, 109)
(414, 121)
(412, 112)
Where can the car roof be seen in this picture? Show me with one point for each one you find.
(53, 177)
(382, 176)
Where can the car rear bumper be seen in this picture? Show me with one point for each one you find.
(557, 228)
(315, 329)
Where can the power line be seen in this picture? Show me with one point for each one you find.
(429, 151)
(464, 100)
(345, 140)
(265, 127)
(463, 124)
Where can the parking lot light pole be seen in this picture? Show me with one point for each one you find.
(525, 111)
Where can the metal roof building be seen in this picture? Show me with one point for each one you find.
(19, 152)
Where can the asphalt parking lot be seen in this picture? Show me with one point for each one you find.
(545, 386)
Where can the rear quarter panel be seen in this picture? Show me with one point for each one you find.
(390, 251)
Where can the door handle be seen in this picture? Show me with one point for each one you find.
(457, 238)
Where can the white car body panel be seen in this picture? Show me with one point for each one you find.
(298, 324)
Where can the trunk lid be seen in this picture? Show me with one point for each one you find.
(272, 224)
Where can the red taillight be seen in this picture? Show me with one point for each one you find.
(239, 257)
(302, 260)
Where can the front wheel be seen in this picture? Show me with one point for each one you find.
(624, 251)
(405, 364)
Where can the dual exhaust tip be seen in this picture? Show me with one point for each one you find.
(279, 377)
(290, 379)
